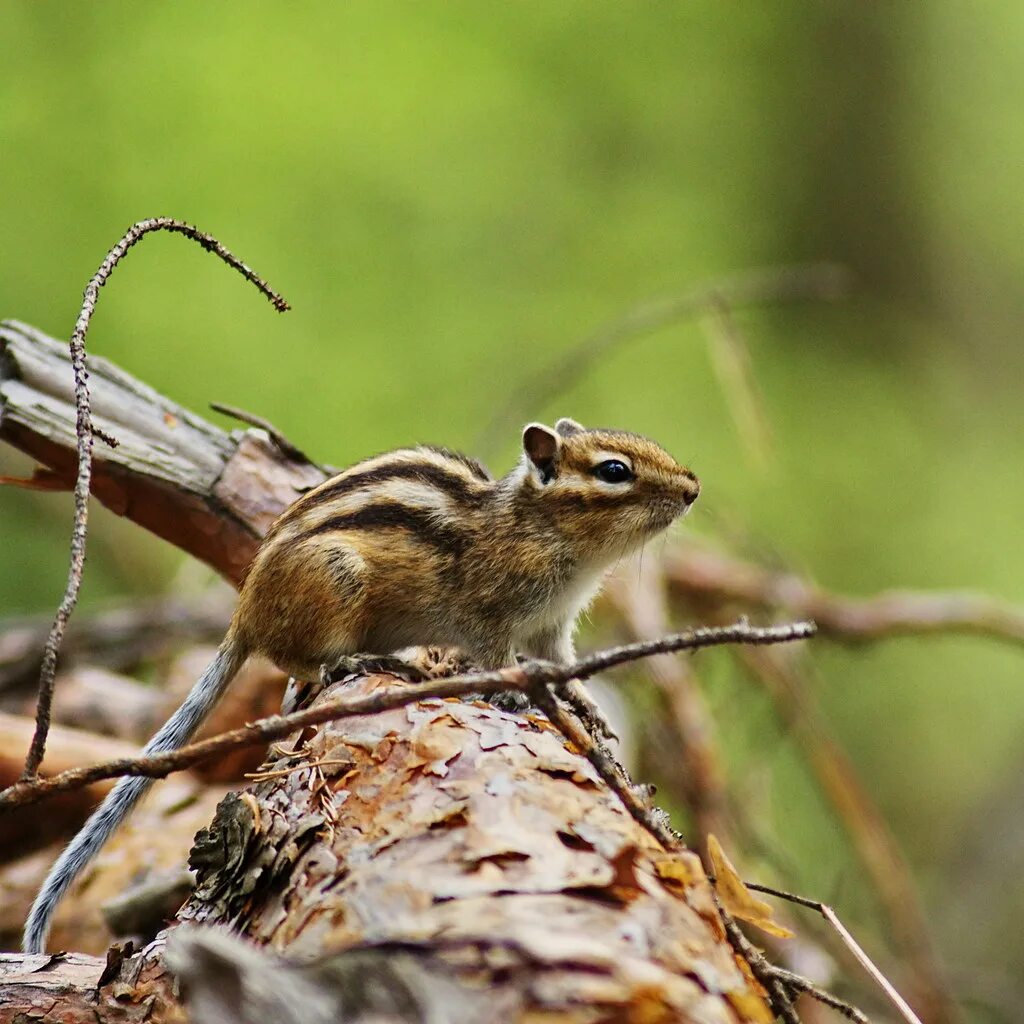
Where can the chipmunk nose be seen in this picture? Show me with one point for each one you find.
(691, 488)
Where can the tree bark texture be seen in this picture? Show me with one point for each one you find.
(446, 861)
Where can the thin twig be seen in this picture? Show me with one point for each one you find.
(785, 680)
(799, 983)
(85, 434)
(705, 573)
(730, 356)
(851, 944)
(696, 766)
(283, 445)
(814, 281)
(514, 678)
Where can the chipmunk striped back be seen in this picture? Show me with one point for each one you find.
(421, 546)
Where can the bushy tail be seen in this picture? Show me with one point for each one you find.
(176, 732)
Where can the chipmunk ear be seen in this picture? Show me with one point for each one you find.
(567, 427)
(541, 446)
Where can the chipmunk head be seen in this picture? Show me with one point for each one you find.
(611, 490)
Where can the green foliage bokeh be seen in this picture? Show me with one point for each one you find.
(450, 194)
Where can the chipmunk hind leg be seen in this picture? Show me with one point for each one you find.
(313, 619)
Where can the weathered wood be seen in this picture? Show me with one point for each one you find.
(475, 835)
(70, 988)
(211, 493)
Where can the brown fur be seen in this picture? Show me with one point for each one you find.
(418, 546)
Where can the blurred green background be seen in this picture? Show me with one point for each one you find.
(451, 194)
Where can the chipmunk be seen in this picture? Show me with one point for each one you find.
(422, 546)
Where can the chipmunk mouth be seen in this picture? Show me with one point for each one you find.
(665, 511)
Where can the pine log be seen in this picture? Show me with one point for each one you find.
(477, 837)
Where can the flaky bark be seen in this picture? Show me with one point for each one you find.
(456, 856)
(67, 989)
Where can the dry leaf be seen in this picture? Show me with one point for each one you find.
(737, 899)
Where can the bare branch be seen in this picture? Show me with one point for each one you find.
(708, 574)
(85, 433)
(850, 942)
(814, 281)
(275, 727)
(284, 446)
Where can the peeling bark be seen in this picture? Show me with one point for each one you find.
(474, 835)
(70, 988)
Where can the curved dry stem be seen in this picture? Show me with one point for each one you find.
(85, 434)
(812, 281)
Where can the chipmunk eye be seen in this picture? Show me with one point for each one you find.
(611, 471)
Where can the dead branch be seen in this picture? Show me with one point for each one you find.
(523, 678)
(813, 281)
(85, 431)
(701, 573)
(698, 772)
(209, 493)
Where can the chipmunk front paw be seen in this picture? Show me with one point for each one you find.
(365, 664)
